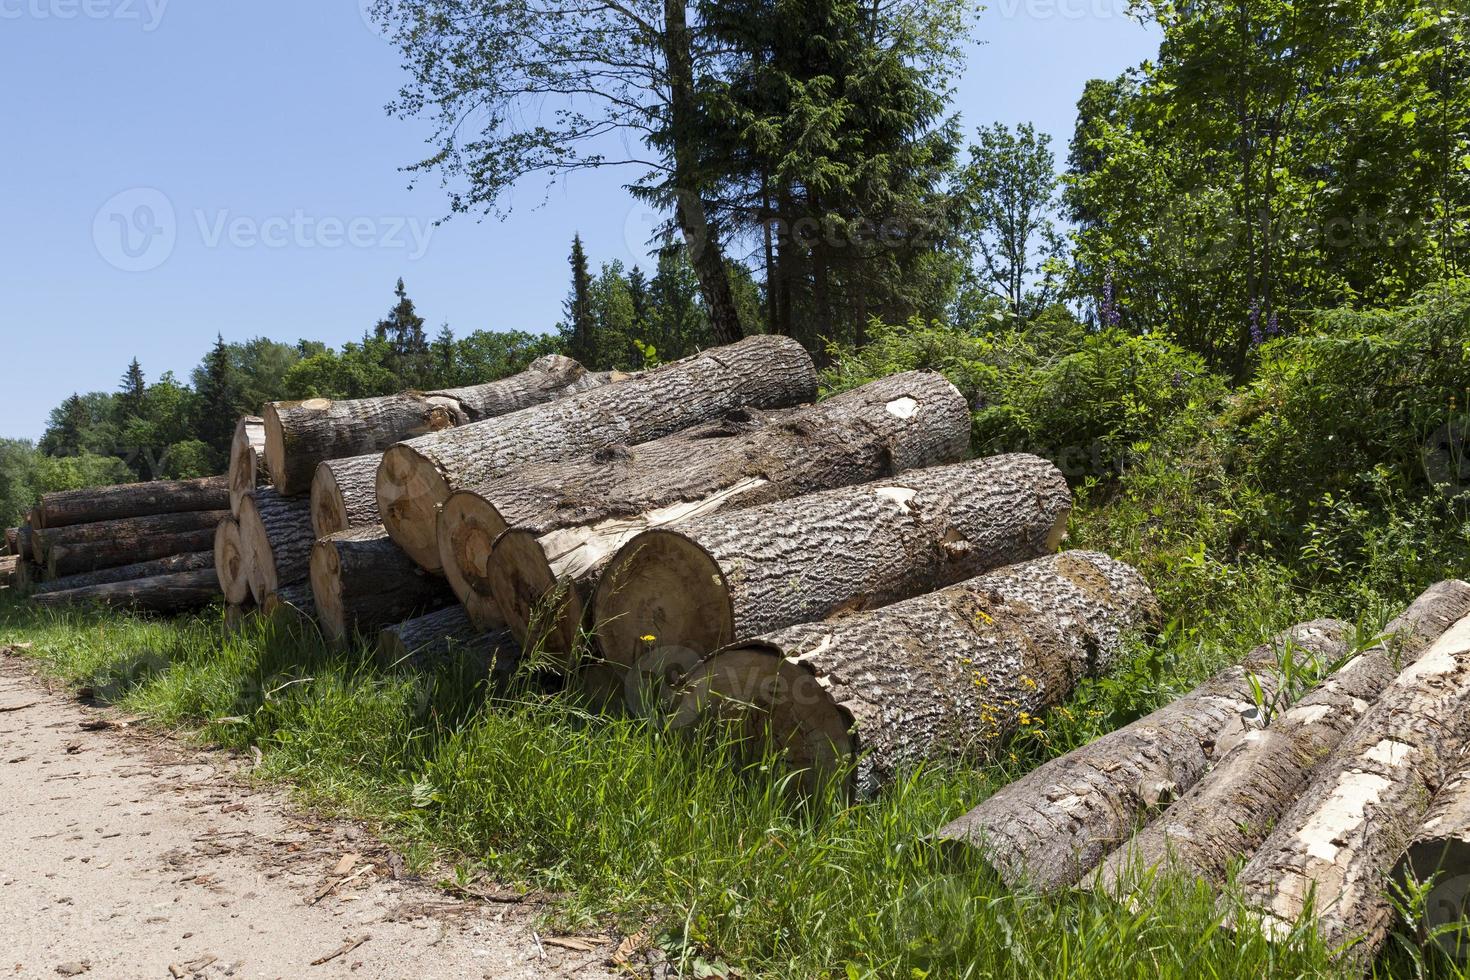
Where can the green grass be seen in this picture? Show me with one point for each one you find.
(630, 825)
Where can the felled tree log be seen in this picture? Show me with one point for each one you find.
(108, 544)
(1439, 851)
(179, 592)
(172, 564)
(951, 672)
(12, 535)
(238, 615)
(25, 577)
(247, 460)
(291, 604)
(23, 543)
(71, 507)
(230, 565)
(1053, 825)
(443, 636)
(725, 578)
(275, 540)
(8, 564)
(1340, 840)
(299, 437)
(1229, 812)
(362, 582)
(344, 494)
(565, 520)
(417, 476)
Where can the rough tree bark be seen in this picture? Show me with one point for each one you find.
(1227, 814)
(12, 535)
(725, 578)
(418, 476)
(362, 582)
(299, 437)
(109, 544)
(73, 507)
(291, 604)
(230, 565)
(344, 494)
(237, 615)
(172, 564)
(441, 637)
(1053, 825)
(1439, 853)
(247, 460)
(567, 519)
(1335, 847)
(23, 543)
(276, 540)
(179, 592)
(951, 672)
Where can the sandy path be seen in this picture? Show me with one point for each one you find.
(129, 856)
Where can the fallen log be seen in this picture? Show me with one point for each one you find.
(344, 494)
(23, 549)
(188, 562)
(8, 565)
(1438, 855)
(229, 562)
(12, 546)
(129, 500)
(1334, 848)
(275, 541)
(299, 437)
(84, 548)
(178, 592)
(709, 582)
(564, 520)
(247, 460)
(444, 636)
(362, 582)
(417, 476)
(25, 577)
(1229, 812)
(1053, 825)
(948, 673)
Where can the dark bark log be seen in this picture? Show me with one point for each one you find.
(723, 579)
(301, 436)
(1228, 813)
(292, 605)
(12, 545)
(72, 507)
(362, 582)
(1053, 825)
(344, 494)
(1336, 845)
(419, 475)
(85, 548)
(25, 578)
(567, 519)
(23, 548)
(247, 460)
(948, 673)
(179, 592)
(276, 539)
(230, 564)
(429, 642)
(171, 565)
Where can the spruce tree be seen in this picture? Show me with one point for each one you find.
(408, 345)
(131, 393)
(218, 403)
(579, 328)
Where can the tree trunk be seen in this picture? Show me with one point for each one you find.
(179, 592)
(109, 544)
(1053, 825)
(431, 641)
(229, 562)
(1231, 810)
(732, 576)
(247, 460)
(344, 494)
(275, 540)
(362, 582)
(299, 437)
(947, 673)
(1337, 844)
(59, 510)
(1439, 853)
(417, 476)
(171, 565)
(566, 519)
(292, 604)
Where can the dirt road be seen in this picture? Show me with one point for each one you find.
(126, 855)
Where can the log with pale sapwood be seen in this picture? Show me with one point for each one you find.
(247, 460)
(1438, 858)
(128, 500)
(188, 562)
(299, 437)
(84, 548)
(945, 674)
(564, 520)
(275, 541)
(1053, 825)
(417, 476)
(709, 582)
(344, 494)
(362, 582)
(229, 562)
(174, 593)
(1334, 848)
(447, 636)
(1227, 814)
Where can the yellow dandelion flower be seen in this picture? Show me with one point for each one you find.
(648, 638)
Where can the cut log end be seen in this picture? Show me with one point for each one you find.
(326, 590)
(468, 528)
(410, 490)
(229, 562)
(275, 447)
(541, 613)
(328, 512)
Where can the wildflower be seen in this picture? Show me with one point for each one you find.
(1255, 323)
(1028, 682)
(1025, 718)
(1273, 326)
(648, 638)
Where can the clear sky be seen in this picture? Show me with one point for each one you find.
(170, 169)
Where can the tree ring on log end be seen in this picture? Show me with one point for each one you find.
(543, 614)
(468, 527)
(229, 562)
(275, 445)
(410, 490)
(326, 590)
(328, 514)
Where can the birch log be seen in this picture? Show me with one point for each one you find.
(275, 541)
(344, 494)
(247, 460)
(130, 500)
(362, 581)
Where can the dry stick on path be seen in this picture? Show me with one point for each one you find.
(127, 500)
(944, 674)
(276, 539)
(417, 476)
(247, 460)
(362, 581)
(344, 494)
(1053, 825)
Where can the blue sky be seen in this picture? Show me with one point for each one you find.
(176, 168)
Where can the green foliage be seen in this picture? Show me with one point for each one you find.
(358, 371)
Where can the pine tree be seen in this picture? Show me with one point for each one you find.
(403, 330)
(218, 402)
(131, 393)
(69, 425)
(445, 359)
(579, 328)
(638, 291)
